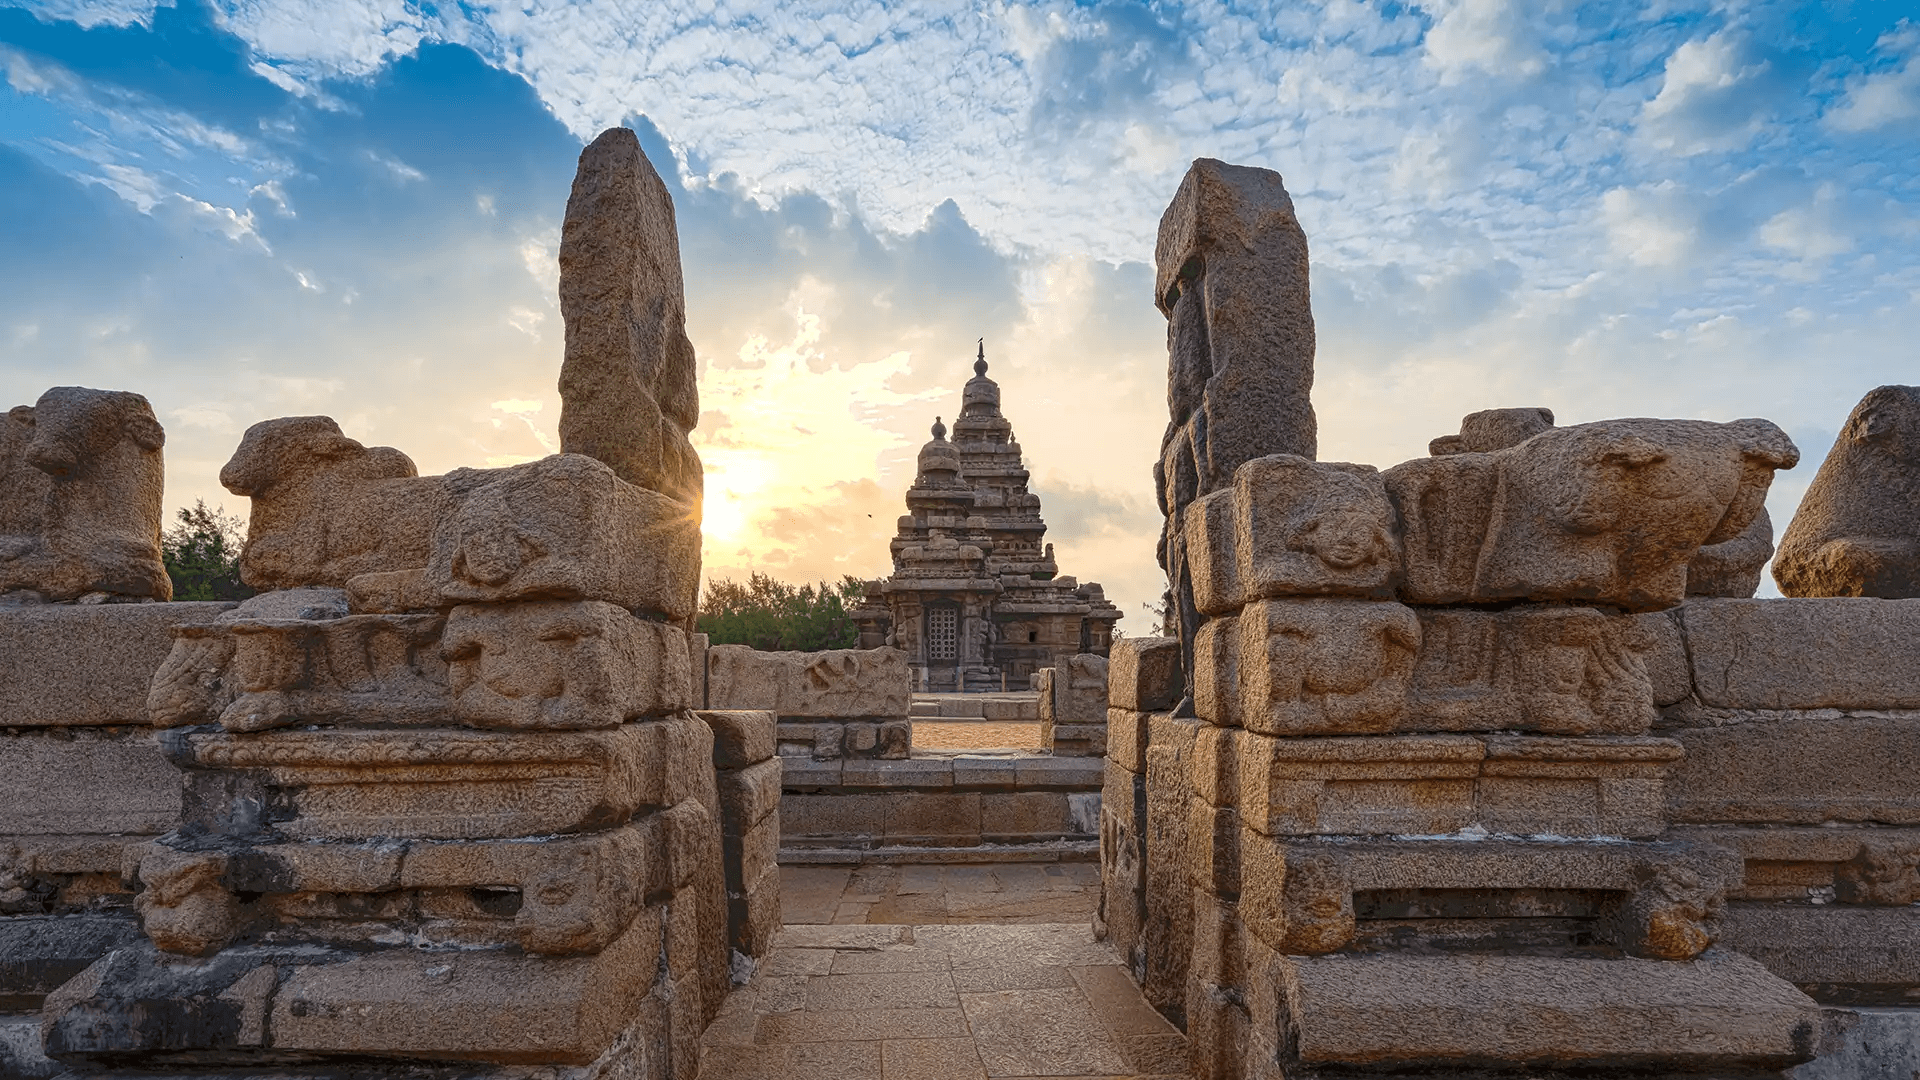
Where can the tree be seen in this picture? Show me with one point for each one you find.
(202, 554)
(774, 616)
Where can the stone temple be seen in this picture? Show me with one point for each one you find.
(976, 600)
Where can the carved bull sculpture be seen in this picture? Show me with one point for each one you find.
(1609, 512)
(326, 508)
(1857, 532)
(81, 475)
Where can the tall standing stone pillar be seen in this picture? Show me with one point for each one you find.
(1231, 278)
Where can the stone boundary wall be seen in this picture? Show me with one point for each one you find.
(859, 809)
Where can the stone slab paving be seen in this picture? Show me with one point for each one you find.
(1065, 892)
(940, 1002)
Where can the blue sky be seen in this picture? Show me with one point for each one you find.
(254, 209)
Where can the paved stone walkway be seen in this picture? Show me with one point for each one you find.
(949, 1002)
(927, 894)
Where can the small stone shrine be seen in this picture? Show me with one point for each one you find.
(976, 600)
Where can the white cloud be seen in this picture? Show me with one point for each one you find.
(1876, 99)
(1810, 232)
(1489, 37)
(92, 13)
(1708, 100)
(1651, 226)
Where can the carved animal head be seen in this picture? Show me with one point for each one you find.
(1887, 420)
(74, 426)
(273, 451)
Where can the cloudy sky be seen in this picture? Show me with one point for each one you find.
(256, 208)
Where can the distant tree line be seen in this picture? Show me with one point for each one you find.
(774, 616)
(202, 554)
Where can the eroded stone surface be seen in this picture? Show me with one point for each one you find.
(1608, 512)
(1857, 532)
(558, 665)
(835, 684)
(627, 390)
(80, 484)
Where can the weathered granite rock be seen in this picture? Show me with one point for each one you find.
(1441, 784)
(1231, 278)
(741, 737)
(558, 665)
(1493, 429)
(627, 389)
(1554, 669)
(1324, 666)
(1289, 526)
(1799, 771)
(87, 781)
(1166, 933)
(565, 528)
(326, 508)
(1721, 1011)
(1838, 954)
(1869, 865)
(1824, 653)
(80, 485)
(834, 684)
(445, 783)
(568, 896)
(1144, 674)
(1857, 532)
(1609, 512)
(74, 665)
(134, 1005)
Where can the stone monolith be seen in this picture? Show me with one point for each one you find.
(1857, 532)
(1231, 279)
(627, 392)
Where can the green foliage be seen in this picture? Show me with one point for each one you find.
(202, 553)
(775, 616)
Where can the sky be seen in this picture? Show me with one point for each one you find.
(246, 209)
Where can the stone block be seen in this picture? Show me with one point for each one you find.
(1217, 689)
(1798, 771)
(1839, 954)
(459, 1006)
(935, 819)
(1044, 772)
(1608, 512)
(1869, 865)
(1664, 651)
(1078, 690)
(67, 665)
(805, 774)
(853, 818)
(819, 741)
(1077, 740)
(1836, 653)
(1043, 687)
(93, 781)
(254, 674)
(1659, 900)
(1025, 817)
(741, 737)
(1213, 848)
(1216, 775)
(1883, 1045)
(835, 684)
(1166, 933)
(1127, 738)
(751, 854)
(753, 916)
(39, 952)
(922, 774)
(1291, 526)
(559, 665)
(424, 783)
(1123, 854)
(1405, 785)
(697, 645)
(565, 528)
(1144, 674)
(983, 773)
(1556, 670)
(749, 796)
(1722, 1011)
(1575, 787)
(1324, 666)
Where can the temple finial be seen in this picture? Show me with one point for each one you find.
(939, 429)
(980, 363)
